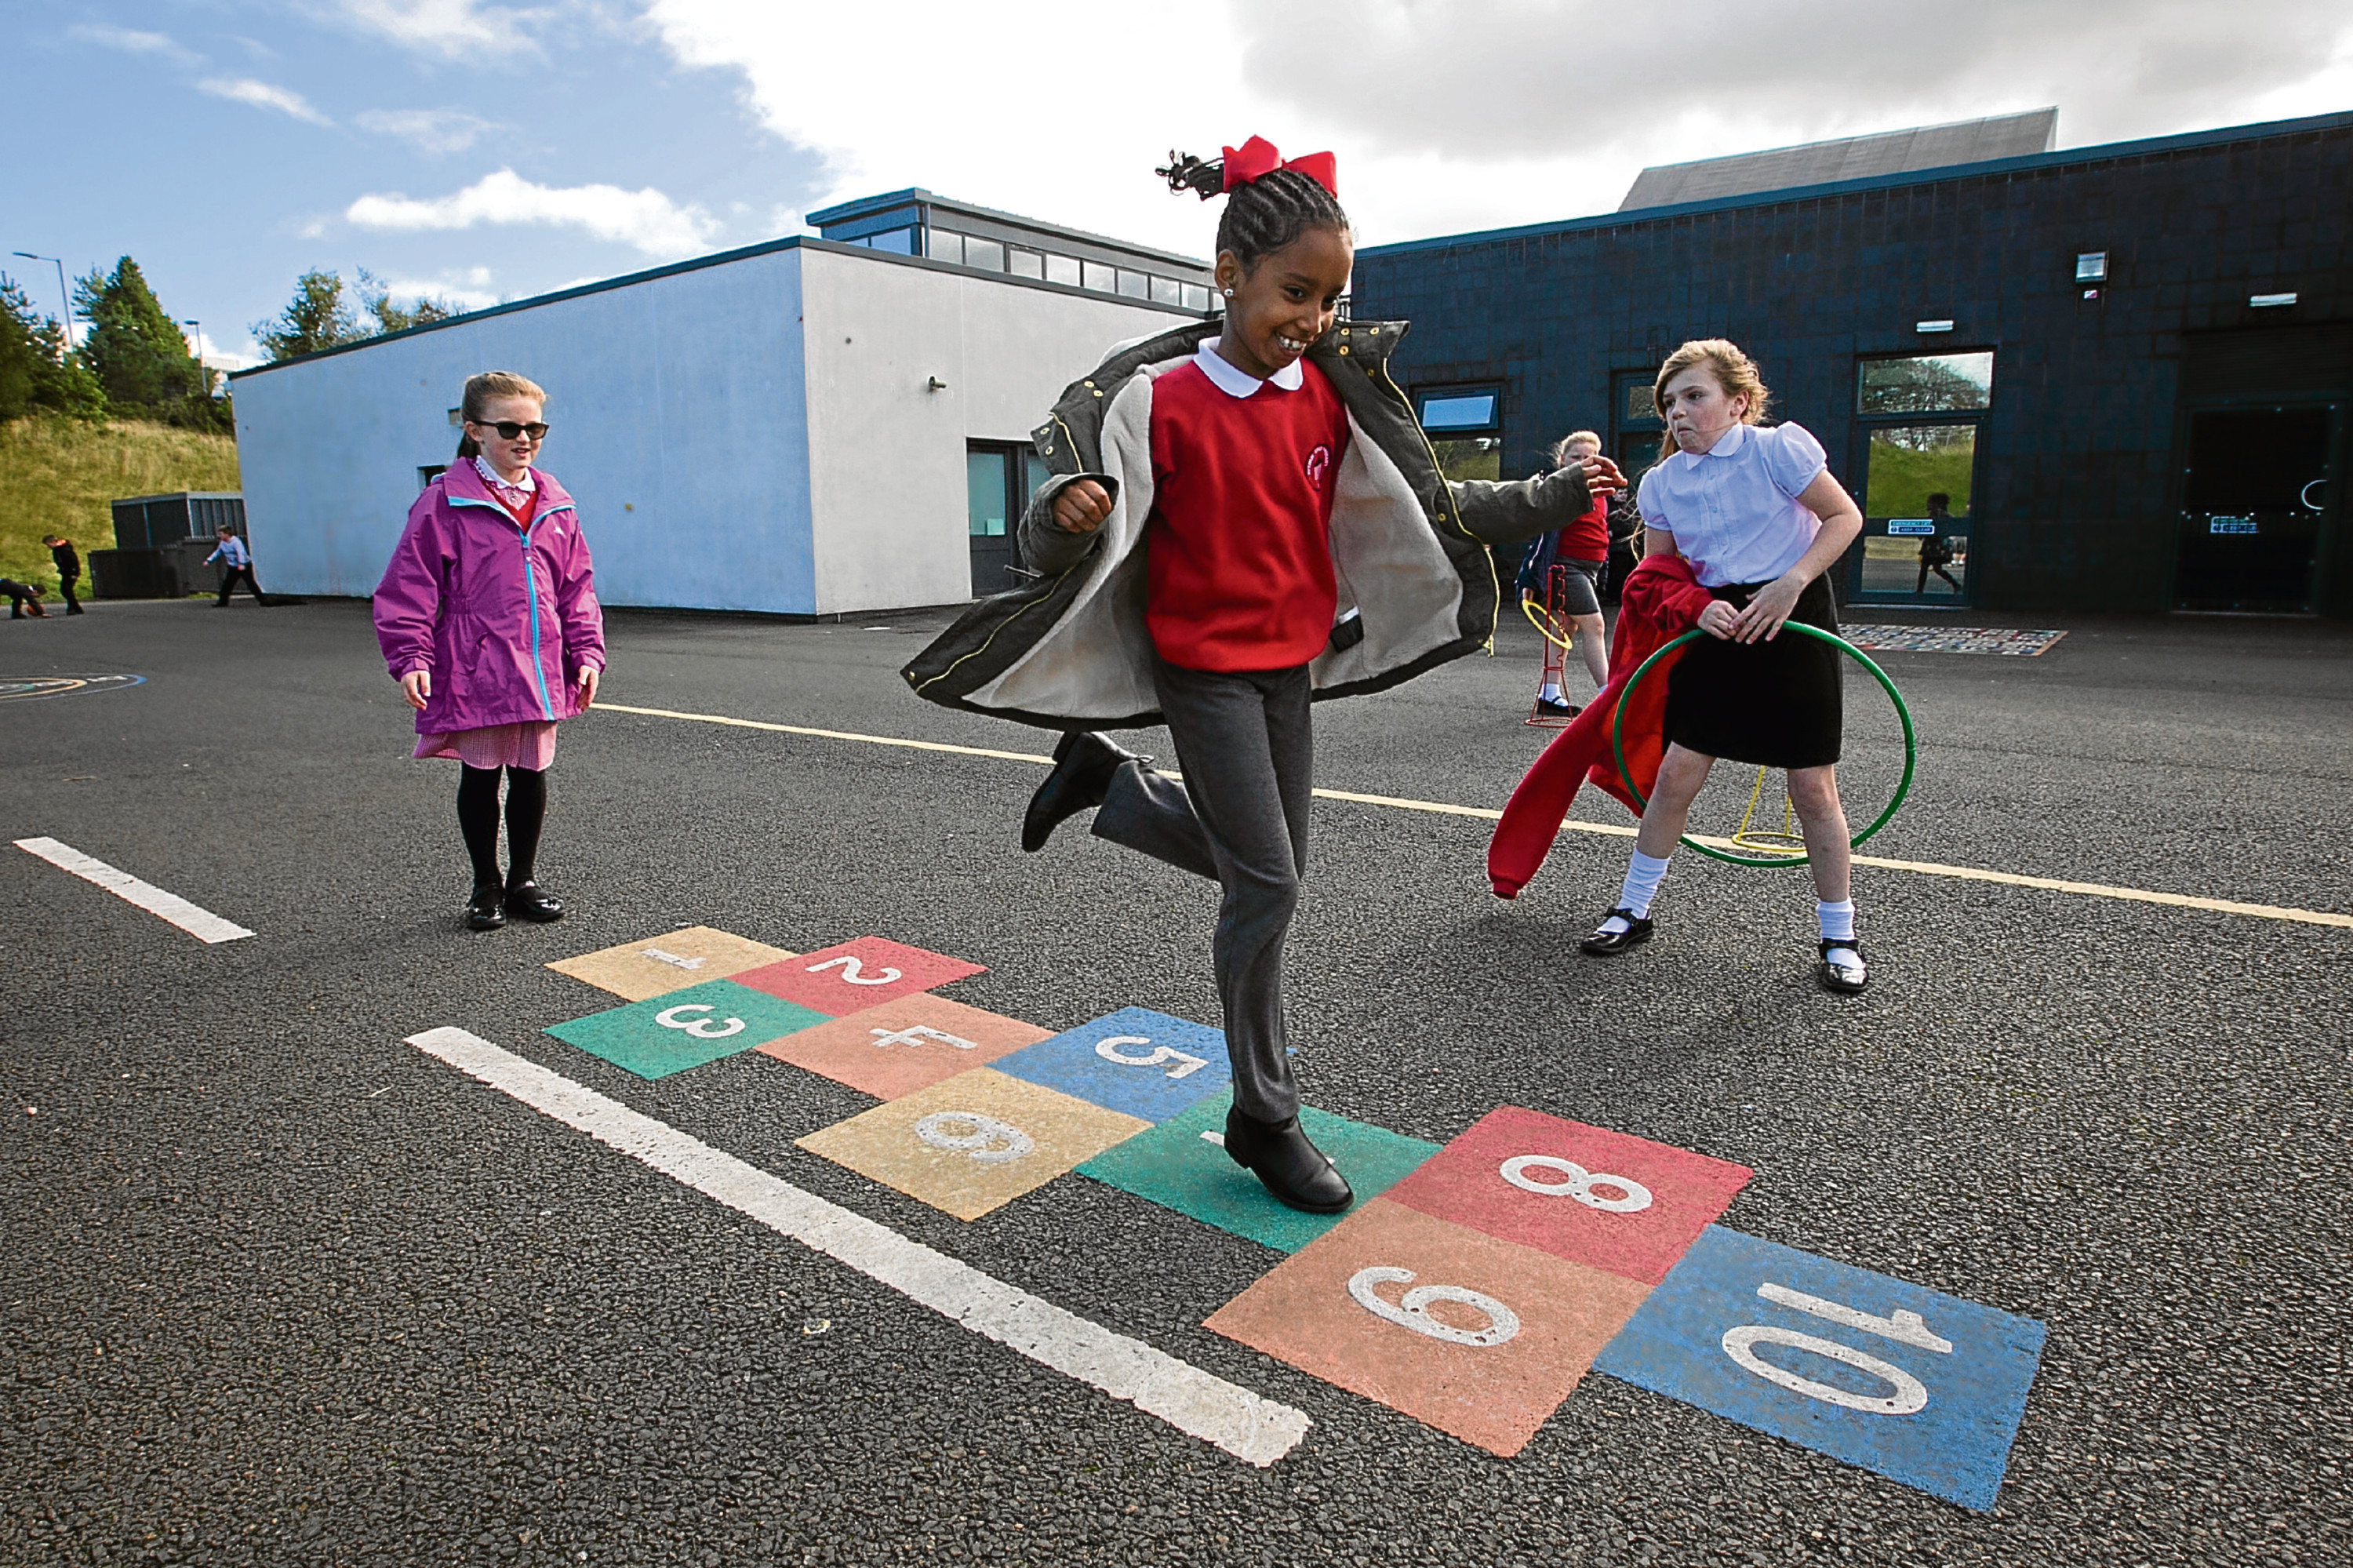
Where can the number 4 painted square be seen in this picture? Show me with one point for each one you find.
(854, 976)
(1921, 1387)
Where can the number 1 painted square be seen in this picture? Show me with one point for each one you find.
(1921, 1387)
(851, 977)
(1135, 1062)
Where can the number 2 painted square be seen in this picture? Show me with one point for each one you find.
(854, 976)
(1921, 1387)
(1135, 1062)
(1604, 1198)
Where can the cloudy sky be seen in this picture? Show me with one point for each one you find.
(492, 152)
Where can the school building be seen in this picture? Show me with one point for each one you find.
(2106, 378)
(823, 425)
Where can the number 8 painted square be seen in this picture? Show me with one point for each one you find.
(1921, 1387)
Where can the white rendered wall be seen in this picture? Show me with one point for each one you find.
(886, 452)
(679, 425)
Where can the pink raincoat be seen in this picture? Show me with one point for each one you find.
(502, 618)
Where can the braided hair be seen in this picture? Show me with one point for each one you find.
(1262, 217)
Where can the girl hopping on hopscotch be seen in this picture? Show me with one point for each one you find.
(1758, 517)
(488, 617)
(1243, 516)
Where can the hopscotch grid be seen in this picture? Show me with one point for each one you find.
(1606, 830)
(1248, 1425)
(170, 907)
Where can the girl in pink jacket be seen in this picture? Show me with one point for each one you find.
(488, 618)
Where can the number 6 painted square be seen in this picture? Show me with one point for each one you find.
(1606, 1200)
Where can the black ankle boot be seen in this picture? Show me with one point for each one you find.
(486, 910)
(1286, 1164)
(1084, 764)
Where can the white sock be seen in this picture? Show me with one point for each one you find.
(1549, 693)
(1641, 886)
(1837, 923)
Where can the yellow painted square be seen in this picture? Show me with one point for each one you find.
(656, 966)
(929, 1145)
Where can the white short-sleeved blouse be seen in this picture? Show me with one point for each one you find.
(1734, 510)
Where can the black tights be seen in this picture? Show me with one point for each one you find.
(478, 819)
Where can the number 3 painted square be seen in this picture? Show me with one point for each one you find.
(854, 976)
(1923, 1388)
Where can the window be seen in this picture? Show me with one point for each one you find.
(1909, 463)
(1062, 270)
(1165, 291)
(1465, 429)
(986, 490)
(1460, 410)
(1196, 297)
(1925, 384)
(1100, 276)
(984, 253)
(946, 246)
(1024, 263)
(1636, 408)
(1134, 285)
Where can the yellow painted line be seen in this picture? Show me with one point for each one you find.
(1607, 830)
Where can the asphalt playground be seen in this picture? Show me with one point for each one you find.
(281, 1286)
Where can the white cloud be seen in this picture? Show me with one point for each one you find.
(468, 290)
(644, 218)
(218, 357)
(132, 42)
(451, 27)
(1474, 114)
(434, 130)
(264, 95)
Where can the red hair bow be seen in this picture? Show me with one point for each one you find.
(1257, 158)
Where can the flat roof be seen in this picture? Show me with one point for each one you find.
(866, 207)
(2149, 147)
(1913, 151)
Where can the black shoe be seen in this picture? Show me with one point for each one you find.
(1545, 709)
(1286, 1164)
(1602, 944)
(1846, 980)
(486, 910)
(1084, 764)
(527, 900)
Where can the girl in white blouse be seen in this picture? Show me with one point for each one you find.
(1760, 520)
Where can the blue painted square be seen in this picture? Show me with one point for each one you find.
(1838, 1360)
(681, 1029)
(1137, 1062)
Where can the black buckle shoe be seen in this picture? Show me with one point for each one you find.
(1845, 980)
(1084, 764)
(486, 910)
(1286, 1164)
(1602, 944)
(1546, 708)
(529, 901)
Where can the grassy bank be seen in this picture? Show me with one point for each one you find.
(56, 476)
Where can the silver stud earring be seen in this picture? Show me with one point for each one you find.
(1230, 294)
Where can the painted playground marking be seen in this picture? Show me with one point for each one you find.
(31, 688)
(2010, 642)
(202, 924)
(1607, 830)
(1243, 1423)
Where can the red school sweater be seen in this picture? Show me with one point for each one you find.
(1239, 552)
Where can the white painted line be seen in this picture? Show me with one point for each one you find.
(202, 924)
(1243, 1423)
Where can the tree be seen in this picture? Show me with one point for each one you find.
(35, 370)
(376, 294)
(316, 319)
(136, 351)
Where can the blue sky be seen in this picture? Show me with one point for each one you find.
(485, 152)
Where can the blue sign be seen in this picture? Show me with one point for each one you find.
(1921, 1387)
(1137, 1062)
(2230, 524)
(1919, 526)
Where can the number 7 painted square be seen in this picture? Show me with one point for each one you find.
(1604, 1199)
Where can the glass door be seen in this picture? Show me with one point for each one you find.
(1919, 428)
(999, 478)
(2253, 495)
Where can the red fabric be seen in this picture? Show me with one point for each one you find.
(1661, 601)
(1238, 549)
(1257, 157)
(1588, 538)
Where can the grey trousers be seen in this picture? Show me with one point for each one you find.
(1245, 747)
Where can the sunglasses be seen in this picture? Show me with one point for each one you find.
(509, 429)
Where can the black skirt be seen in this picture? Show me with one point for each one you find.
(1777, 705)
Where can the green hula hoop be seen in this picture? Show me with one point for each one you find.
(1902, 787)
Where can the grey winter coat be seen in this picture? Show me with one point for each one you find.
(1417, 587)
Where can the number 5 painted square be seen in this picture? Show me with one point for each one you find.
(1921, 1387)
(1135, 1062)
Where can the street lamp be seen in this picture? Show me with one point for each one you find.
(203, 382)
(61, 290)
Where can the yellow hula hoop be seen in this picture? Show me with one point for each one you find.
(1533, 610)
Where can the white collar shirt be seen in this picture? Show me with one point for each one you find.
(527, 485)
(1733, 509)
(1235, 382)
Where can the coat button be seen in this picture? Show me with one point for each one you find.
(1343, 348)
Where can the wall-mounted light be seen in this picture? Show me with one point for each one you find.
(2092, 267)
(2269, 302)
(1932, 326)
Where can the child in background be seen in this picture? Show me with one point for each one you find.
(20, 595)
(232, 554)
(1754, 510)
(1244, 516)
(1582, 549)
(488, 617)
(68, 561)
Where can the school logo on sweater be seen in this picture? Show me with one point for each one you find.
(1319, 463)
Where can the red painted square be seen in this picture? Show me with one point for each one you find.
(851, 977)
(908, 1044)
(1337, 1308)
(1638, 1231)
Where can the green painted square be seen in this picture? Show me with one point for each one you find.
(681, 1029)
(1177, 1168)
